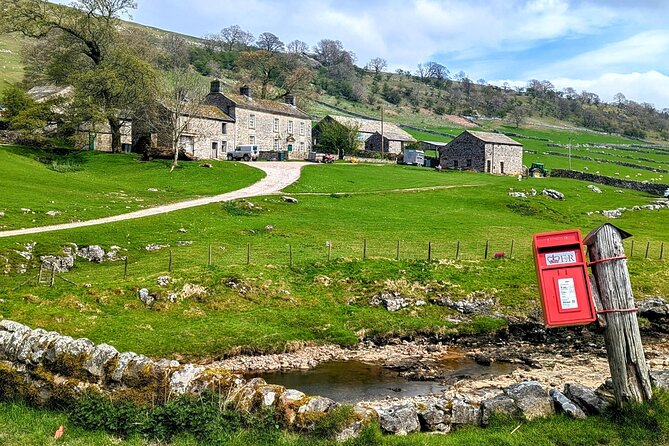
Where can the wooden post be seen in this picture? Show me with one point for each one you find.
(398, 250)
(487, 244)
(125, 268)
(632, 250)
(457, 251)
(329, 243)
(629, 371)
(429, 251)
(290, 252)
(248, 253)
(169, 266)
(209, 261)
(511, 252)
(647, 249)
(662, 251)
(53, 275)
(364, 249)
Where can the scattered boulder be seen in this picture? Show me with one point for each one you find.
(585, 398)
(289, 199)
(653, 308)
(164, 280)
(499, 405)
(2, 214)
(660, 378)
(463, 412)
(434, 418)
(317, 405)
(566, 405)
(152, 189)
(155, 247)
(206, 165)
(93, 253)
(552, 193)
(399, 420)
(146, 297)
(182, 230)
(391, 301)
(518, 194)
(26, 210)
(595, 189)
(469, 306)
(269, 228)
(184, 242)
(614, 213)
(53, 213)
(61, 264)
(531, 398)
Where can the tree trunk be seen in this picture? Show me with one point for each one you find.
(115, 129)
(629, 371)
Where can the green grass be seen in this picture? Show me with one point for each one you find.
(639, 426)
(86, 185)
(282, 305)
(10, 60)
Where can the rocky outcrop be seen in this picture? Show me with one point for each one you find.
(585, 398)
(399, 420)
(531, 398)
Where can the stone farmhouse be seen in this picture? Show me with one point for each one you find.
(369, 133)
(90, 136)
(275, 127)
(483, 152)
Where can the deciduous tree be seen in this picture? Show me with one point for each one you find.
(270, 42)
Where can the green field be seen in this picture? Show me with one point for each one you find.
(270, 305)
(10, 60)
(86, 185)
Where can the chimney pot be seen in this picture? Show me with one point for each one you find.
(215, 86)
(245, 91)
(290, 99)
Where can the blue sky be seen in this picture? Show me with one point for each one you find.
(603, 46)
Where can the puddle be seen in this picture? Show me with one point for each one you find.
(352, 381)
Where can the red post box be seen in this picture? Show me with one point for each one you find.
(563, 279)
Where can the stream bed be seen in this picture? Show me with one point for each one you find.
(354, 380)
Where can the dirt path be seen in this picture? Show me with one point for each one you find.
(279, 176)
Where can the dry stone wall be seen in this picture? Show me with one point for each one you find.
(651, 188)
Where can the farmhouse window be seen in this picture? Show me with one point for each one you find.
(290, 127)
(501, 167)
(301, 147)
(276, 125)
(469, 163)
(455, 164)
(252, 121)
(487, 166)
(224, 128)
(276, 144)
(252, 140)
(302, 128)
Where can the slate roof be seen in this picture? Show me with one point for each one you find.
(494, 138)
(436, 143)
(212, 112)
(265, 105)
(43, 92)
(390, 131)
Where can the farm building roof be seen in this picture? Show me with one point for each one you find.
(212, 112)
(390, 131)
(436, 143)
(494, 138)
(265, 105)
(44, 92)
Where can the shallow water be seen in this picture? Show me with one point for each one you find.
(352, 381)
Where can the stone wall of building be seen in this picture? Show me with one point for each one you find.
(204, 133)
(258, 128)
(467, 152)
(373, 144)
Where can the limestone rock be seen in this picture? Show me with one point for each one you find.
(566, 405)
(463, 412)
(660, 378)
(163, 280)
(399, 420)
(181, 380)
(61, 264)
(531, 398)
(434, 418)
(552, 193)
(653, 308)
(317, 405)
(291, 396)
(289, 199)
(391, 301)
(499, 405)
(92, 253)
(145, 296)
(102, 355)
(518, 194)
(585, 398)
(615, 213)
(595, 189)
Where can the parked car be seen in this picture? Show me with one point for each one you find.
(246, 153)
(415, 157)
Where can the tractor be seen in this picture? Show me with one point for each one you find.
(537, 170)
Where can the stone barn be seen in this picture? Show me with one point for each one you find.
(483, 152)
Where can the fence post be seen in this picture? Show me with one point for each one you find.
(429, 251)
(248, 253)
(364, 249)
(511, 252)
(662, 251)
(209, 261)
(125, 268)
(53, 275)
(329, 243)
(169, 266)
(457, 251)
(629, 370)
(487, 244)
(290, 252)
(632, 250)
(398, 250)
(647, 248)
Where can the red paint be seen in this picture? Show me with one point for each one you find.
(563, 279)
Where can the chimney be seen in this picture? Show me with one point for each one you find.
(215, 86)
(245, 91)
(290, 100)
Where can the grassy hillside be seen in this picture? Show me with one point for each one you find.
(10, 60)
(85, 185)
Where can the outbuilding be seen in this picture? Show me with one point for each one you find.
(483, 152)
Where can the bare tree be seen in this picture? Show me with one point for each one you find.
(436, 71)
(377, 64)
(620, 99)
(420, 71)
(270, 42)
(329, 52)
(297, 47)
(234, 37)
(175, 51)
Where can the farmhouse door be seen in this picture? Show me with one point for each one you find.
(214, 150)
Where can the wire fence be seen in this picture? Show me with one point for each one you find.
(171, 259)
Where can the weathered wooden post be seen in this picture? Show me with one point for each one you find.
(248, 253)
(398, 250)
(457, 251)
(513, 242)
(169, 266)
(662, 251)
(629, 371)
(290, 252)
(364, 249)
(647, 249)
(125, 268)
(209, 261)
(487, 245)
(329, 245)
(429, 251)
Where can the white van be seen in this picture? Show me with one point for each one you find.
(246, 153)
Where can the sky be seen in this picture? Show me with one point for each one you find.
(601, 46)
